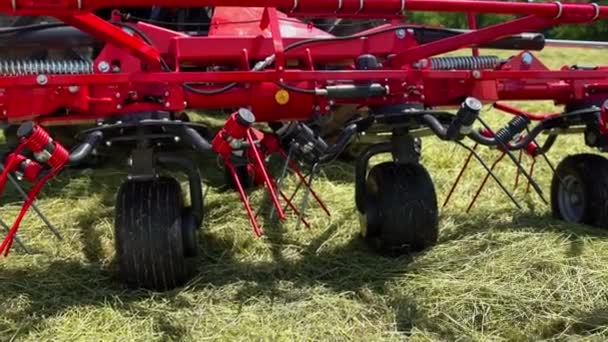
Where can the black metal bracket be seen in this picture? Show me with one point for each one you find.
(361, 171)
(194, 179)
(406, 149)
(142, 164)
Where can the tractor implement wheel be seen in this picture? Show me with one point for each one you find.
(401, 214)
(148, 228)
(579, 190)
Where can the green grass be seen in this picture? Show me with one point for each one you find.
(496, 274)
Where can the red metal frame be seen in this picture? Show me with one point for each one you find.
(101, 94)
(345, 8)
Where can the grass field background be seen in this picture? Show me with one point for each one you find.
(496, 274)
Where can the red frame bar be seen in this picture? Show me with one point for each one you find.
(115, 36)
(103, 94)
(349, 8)
(476, 37)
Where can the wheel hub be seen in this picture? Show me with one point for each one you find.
(572, 199)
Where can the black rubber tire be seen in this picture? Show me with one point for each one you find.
(401, 214)
(190, 233)
(591, 172)
(148, 228)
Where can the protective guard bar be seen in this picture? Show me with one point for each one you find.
(343, 8)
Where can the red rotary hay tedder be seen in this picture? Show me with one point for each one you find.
(129, 80)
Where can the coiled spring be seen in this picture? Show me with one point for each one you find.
(517, 125)
(33, 67)
(464, 62)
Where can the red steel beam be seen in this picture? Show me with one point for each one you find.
(297, 75)
(115, 36)
(484, 35)
(348, 8)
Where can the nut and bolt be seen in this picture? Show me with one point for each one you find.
(103, 66)
(476, 74)
(401, 33)
(526, 58)
(42, 79)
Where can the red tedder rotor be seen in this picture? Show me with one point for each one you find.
(38, 141)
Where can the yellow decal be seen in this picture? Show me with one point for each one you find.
(282, 97)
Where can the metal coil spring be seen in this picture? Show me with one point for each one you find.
(517, 125)
(464, 62)
(32, 67)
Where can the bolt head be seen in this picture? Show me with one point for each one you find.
(42, 79)
(103, 66)
(108, 143)
(176, 139)
(117, 95)
(476, 74)
(167, 104)
(527, 58)
(473, 103)
(73, 89)
(119, 107)
(401, 33)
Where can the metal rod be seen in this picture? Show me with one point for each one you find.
(295, 169)
(576, 43)
(502, 186)
(531, 173)
(6, 228)
(44, 219)
(269, 184)
(304, 204)
(281, 178)
(485, 180)
(464, 167)
(517, 172)
(504, 146)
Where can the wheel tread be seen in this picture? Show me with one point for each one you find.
(148, 234)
